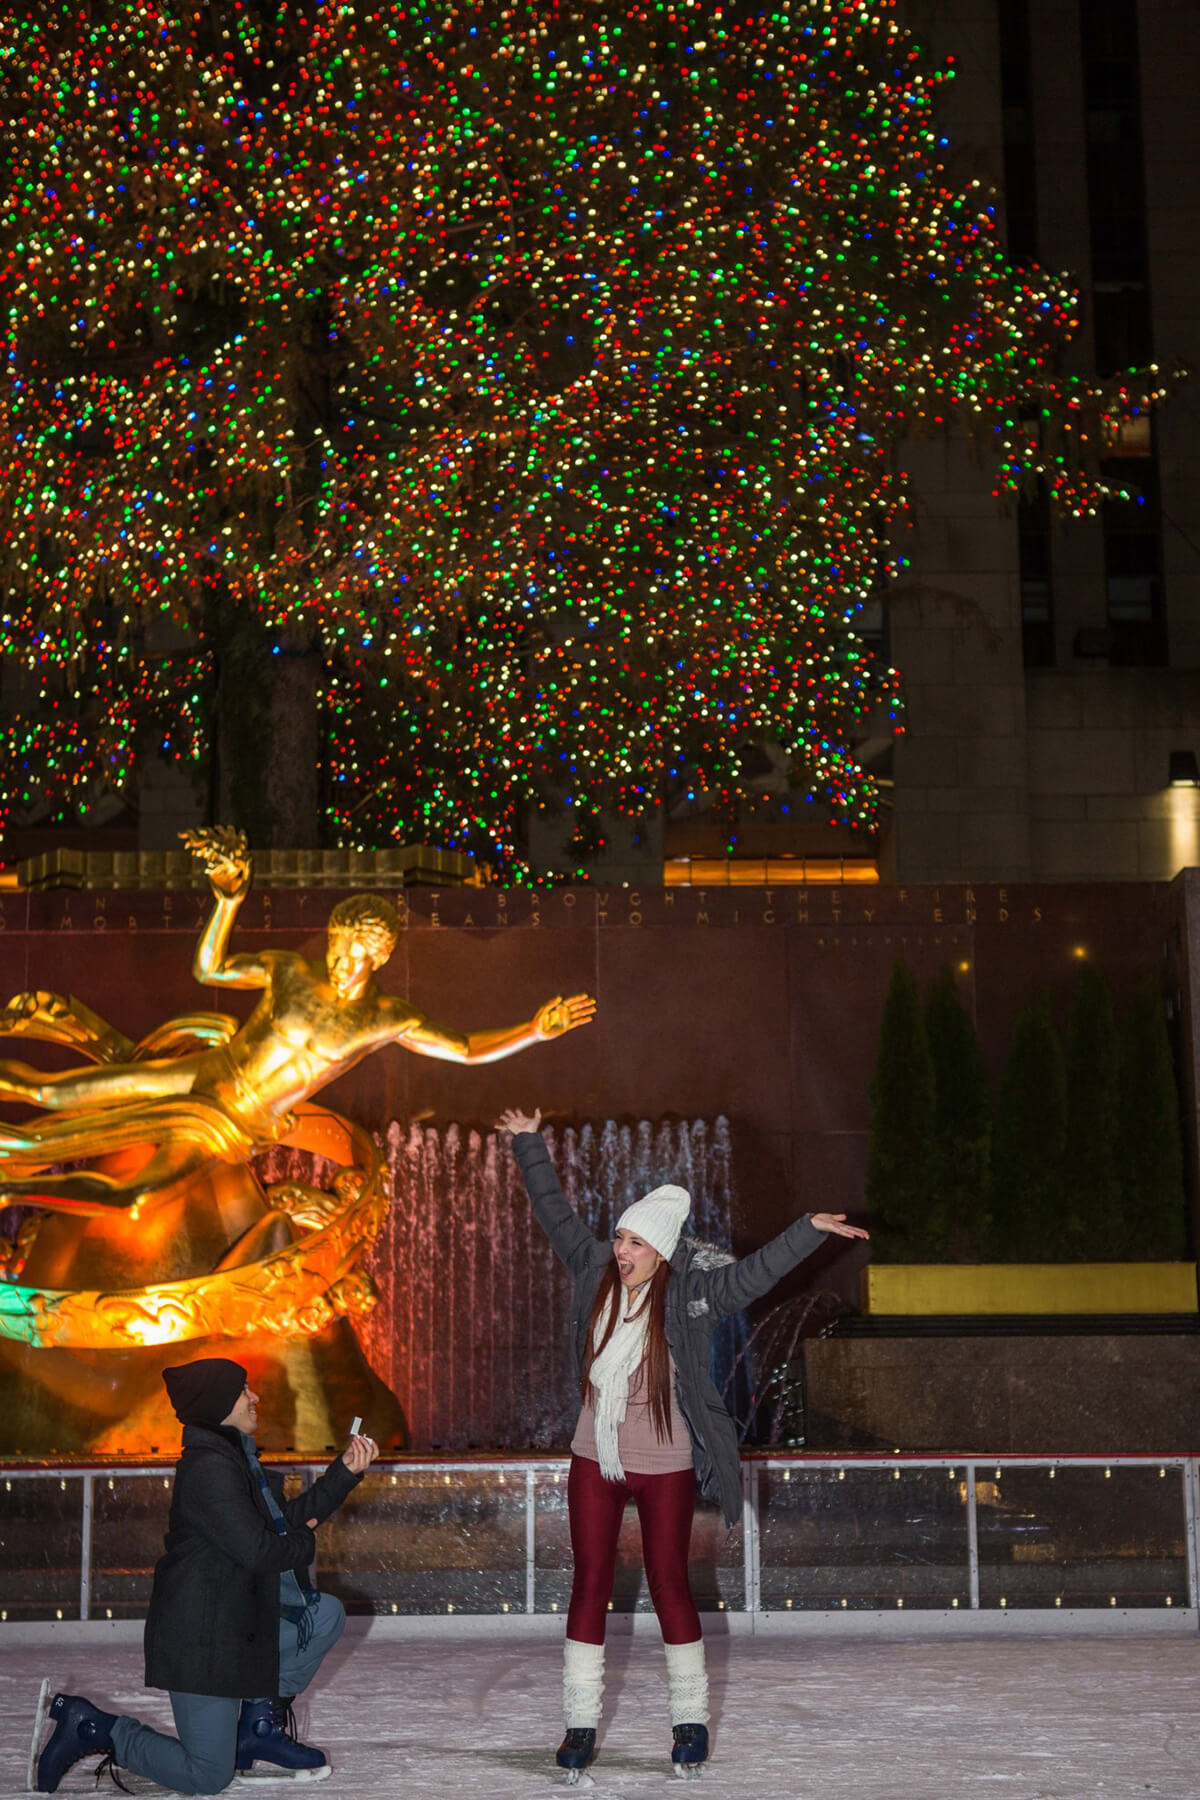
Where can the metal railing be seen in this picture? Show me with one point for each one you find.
(862, 1534)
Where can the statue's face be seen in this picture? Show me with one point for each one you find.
(347, 964)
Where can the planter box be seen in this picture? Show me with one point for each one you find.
(892, 1289)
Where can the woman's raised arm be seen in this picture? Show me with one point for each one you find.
(570, 1238)
(736, 1284)
(514, 1121)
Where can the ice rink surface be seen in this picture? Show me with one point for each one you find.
(793, 1718)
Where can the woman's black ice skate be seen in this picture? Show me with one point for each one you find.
(690, 1748)
(576, 1751)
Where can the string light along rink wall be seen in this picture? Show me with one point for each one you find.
(471, 1331)
(904, 1544)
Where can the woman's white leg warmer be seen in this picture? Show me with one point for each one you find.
(583, 1684)
(687, 1677)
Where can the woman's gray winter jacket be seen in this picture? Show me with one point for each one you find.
(705, 1284)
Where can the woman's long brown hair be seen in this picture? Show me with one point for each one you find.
(653, 1377)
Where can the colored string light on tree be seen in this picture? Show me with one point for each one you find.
(544, 369)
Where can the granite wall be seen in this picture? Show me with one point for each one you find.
(1021, 1395)
(759, 1004)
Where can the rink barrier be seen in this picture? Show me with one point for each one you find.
(1033, 1542)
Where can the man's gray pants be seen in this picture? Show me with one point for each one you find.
(201, 1759)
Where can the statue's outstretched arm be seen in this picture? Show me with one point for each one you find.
(552, 1020)
(226, 862)
(62, 1019)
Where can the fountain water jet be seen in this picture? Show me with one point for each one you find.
(471, 1328)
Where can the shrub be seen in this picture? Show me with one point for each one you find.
(962, 1123)
(900, 1150)
(1028, 1138)
(1091, 1192)
(1149, 1142)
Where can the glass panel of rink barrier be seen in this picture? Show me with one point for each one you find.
(129, 1522)
(41, 1546)
(856, 1538)
(486, 1538)
(1113, 1535)
(428, 1541)
(717, 1556)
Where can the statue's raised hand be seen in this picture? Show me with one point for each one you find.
(559, 1015)
(225, 857)
(23, 1008)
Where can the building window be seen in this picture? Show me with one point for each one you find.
(872, 624)
(1016, 96)
(1121, 319)
(1113, 126)
(1133, 566)
(1037, 581)
(1121, 327)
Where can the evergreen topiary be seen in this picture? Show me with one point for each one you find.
(1081, 1158)
(900, 1149)
(962, 1123)
(1149, 1143)
(1028, 1139)
(1091, 1194)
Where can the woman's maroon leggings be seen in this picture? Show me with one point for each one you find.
(665, 1505)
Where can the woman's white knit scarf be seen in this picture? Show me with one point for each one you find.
(611, 1373)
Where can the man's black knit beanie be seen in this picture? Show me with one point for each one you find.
(204, 1392)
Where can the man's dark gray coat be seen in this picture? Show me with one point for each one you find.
(705, 1284)
(213, 1624)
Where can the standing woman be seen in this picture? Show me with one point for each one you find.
(652, 1424)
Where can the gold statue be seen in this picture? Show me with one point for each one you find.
(166, 1233)
(237, 1091)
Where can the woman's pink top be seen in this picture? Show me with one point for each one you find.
(638, 1445)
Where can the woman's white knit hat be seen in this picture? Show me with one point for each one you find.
(658, 1218)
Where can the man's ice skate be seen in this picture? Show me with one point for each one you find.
(689, 1750)
(41, 1714)
(264, 1775)
(80, 1729)
(267, 1737)
(143, 1788)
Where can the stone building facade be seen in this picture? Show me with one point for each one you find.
(1053, 670)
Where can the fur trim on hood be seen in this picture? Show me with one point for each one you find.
(699, 1254)
(703, 1255)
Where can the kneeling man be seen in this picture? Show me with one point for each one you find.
(234, 1630)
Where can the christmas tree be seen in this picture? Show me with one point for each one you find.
(538, 373)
